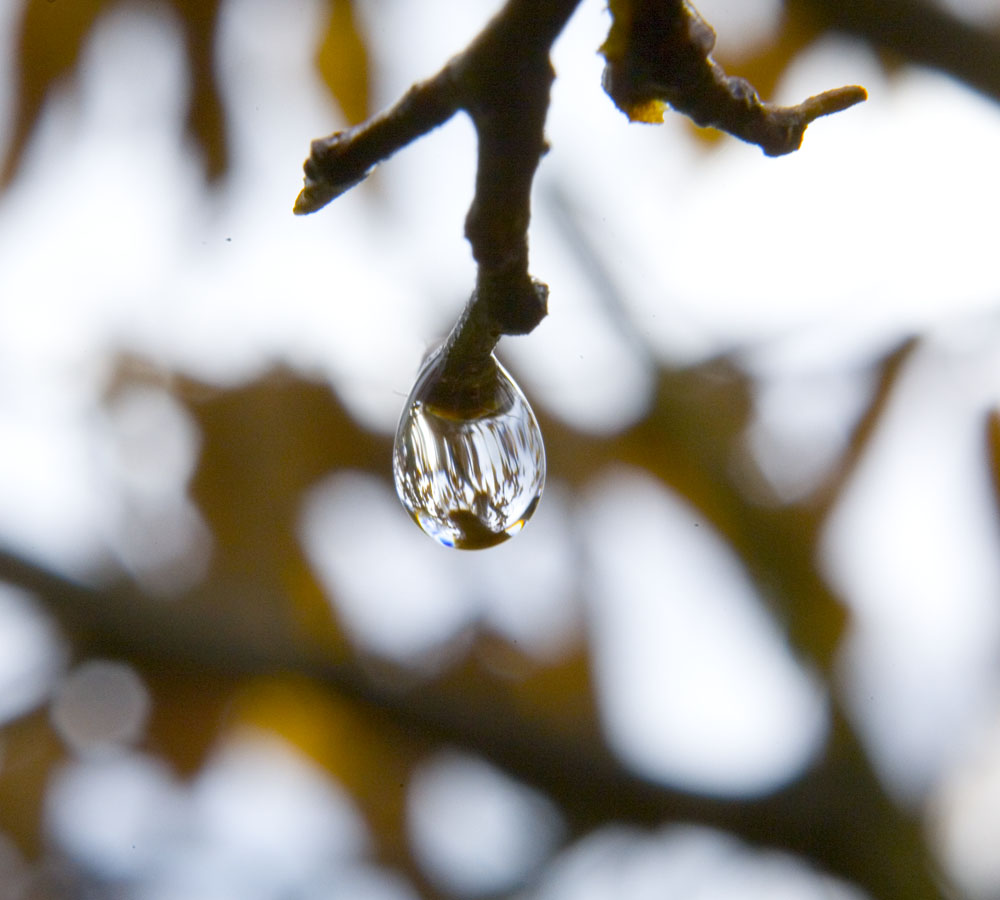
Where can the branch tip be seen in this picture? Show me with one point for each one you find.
(833, 101)
(316, 193)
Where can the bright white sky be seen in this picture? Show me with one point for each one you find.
(883, 225)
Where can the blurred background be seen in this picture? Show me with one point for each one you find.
(749, 645)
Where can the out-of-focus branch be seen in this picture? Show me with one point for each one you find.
(835, 815)
(920, 31)
(993, 453)
(890, 369)
(659, 53)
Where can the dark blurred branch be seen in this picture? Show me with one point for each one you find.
(889, 370)
(993, 453)
(835, 815)
(920, 31)
(779, 543)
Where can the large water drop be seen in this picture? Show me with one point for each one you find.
(469, 463)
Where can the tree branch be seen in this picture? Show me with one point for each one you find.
(922, 32)
(659, 53)
(835, 815)
(345, 158)
(502, 81)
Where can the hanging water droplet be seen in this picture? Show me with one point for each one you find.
(469, 462)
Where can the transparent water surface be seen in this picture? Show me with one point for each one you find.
(470, 482)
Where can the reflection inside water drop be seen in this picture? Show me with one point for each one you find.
(469, 480)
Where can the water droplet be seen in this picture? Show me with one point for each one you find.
(469, 462)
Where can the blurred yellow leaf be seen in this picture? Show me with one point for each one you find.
(187, 714)
(993, 451)
(263, 445)
(342, 60)
(368, 753)
(205, 121)
(30, 752)
(52, 34)
(48, 47)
